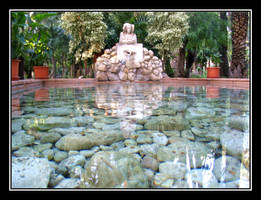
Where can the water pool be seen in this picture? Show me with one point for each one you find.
(131, 135)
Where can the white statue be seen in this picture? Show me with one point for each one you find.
(128, 36)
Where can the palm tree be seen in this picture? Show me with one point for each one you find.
(238, 67)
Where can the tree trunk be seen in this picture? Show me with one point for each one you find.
(181, 59)
(86, 68)
(238, 67)
(181, 62)
(223, 50)
(80, 68)
(54, 66)
(72, 71)
(189, 62)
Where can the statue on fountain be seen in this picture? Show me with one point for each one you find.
(128, 36)
(128, 60)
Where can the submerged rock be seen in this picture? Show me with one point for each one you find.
(26, 152)
(227, 168)
(201, 178)
(239, 123)
(164, 110)
(17, 125)
(172, 169)
(69, 183)
(79, 142)
(164, 122)
(233, 142)
(60, 155)
(185, 151)
(149, 162)
(20, 139)
(43, 124)
(159, 138)
(69, 130)
(58, 111)
(112, 169)
(199, 113)
(30, 172)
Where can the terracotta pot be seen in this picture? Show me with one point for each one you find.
(40, 72)
(15, 69)
(213, 72)
(212, 92)
(41, 95)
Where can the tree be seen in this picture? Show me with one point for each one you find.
(204, 34)
(238, 67)
(88, 32)
(114, 22)
(58, 42)
(166, 31)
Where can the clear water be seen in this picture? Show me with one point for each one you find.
(181, 137)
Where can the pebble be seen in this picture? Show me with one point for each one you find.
(149, 162)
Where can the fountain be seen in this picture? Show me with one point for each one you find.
(128, 60)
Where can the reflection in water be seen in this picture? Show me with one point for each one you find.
(41, 94)
(207, 131)
(129, 102)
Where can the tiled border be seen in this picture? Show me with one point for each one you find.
(24, 85)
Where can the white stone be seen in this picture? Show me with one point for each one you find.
(227, 168)
(160, 138)
(201, 177)
(137, 48)
(232, 142)
(172, 169)
(30, 172)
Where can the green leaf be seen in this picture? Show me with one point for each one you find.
(41, 16)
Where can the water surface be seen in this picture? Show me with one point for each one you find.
(135, 135)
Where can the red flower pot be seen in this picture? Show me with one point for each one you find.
(40, 72)
(213, 72)
(15, 69)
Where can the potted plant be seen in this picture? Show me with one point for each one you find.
(39, 52)
(37, 44)
(213, 72)
(39, 67)
(17, 41)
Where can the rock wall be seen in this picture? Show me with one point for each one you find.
(109, 68)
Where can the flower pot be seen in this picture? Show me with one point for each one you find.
(212, 92)
(15, 69)
(213, 72)
(40, 72)
(41, 95)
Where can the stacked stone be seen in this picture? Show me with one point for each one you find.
(109, 68)
(151, 67)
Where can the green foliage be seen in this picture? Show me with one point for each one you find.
(115, 21)
(195, 76)
(205, 35)
(87, 31)
(17, 38)
(38, 38)
(166, 31)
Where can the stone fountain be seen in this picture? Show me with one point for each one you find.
(128, 60)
